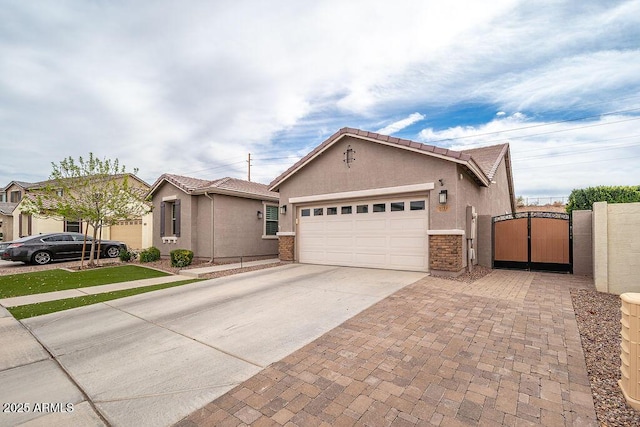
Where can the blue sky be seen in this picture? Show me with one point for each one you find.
(192, 88)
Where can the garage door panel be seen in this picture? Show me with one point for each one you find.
(407, 225)
(389, 239)
(344, 226)
(410, 243)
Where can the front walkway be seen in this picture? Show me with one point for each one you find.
(502, 351)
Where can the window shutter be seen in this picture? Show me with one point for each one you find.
(177, 230)
(162, 218)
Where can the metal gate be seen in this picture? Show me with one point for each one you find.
(533, 241)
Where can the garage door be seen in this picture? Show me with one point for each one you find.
(388, 233)
(129, 232)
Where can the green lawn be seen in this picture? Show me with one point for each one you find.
(58, 280)
(38, 309)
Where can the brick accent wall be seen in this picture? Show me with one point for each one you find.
(286, 248)
(445, 252)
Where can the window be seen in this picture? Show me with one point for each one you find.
(306, 212)
(318, 211)
(73, 226)
(170, 218)
(58, 238)
(397, 206)
(345, 210)
(362, 208)
(417, 205)
(379, 207)
(332, 211)
(16, 196)
(271, 220)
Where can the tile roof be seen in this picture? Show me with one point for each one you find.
(488, 158)
(7, 208)
(481, 172)
(226, 185)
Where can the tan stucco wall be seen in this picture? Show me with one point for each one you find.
(379, 166)
(375, 166)
(616, 247)
(7, 227)
(582, 242)
(236, 232)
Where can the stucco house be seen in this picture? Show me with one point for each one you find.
(6, 221)
(369, 200)
(216, 219)
(136, 233)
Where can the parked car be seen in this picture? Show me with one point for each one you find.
(3, 247)
(44, 248)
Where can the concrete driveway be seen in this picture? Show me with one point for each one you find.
(151, 359)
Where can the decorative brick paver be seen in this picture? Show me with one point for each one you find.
(504, 350)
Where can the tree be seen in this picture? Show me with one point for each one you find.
(98, 192)
(584, 198)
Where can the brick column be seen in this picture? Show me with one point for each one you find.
(445, 254)
(286, 246)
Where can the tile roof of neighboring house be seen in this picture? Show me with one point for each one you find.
(7, 208)
(481, 169)
(22, 184)
(231, 186)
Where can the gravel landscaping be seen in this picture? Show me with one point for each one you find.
(598, 317)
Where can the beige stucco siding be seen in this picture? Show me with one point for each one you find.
(624, 247)
(375, 166)
(236, 229)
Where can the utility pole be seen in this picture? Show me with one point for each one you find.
(249, 167)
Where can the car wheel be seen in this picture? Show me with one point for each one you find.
(41, 258)
(112, 251)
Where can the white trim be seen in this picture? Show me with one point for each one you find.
(360, 194)
(171, 239)
(445, 232)
(265, 237)
(169, 198)
(285, 233)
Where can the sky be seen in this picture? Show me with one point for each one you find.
(191, 88)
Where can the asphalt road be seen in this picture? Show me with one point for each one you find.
(151, 359)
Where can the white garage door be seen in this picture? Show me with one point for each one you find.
(388, 233)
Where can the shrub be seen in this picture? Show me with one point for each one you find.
(181, 257)
(150, 254)
(126, 256)
(583, 199)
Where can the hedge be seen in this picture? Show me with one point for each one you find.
(583, 199)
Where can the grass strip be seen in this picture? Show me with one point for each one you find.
(39, 282)
(38, 309)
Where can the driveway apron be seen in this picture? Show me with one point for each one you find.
(504, 350)
(151, 359)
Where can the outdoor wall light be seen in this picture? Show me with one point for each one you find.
(259, 215)
(283, 209)
(442, 197)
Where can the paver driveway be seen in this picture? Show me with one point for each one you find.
(504, 350)
(151, 359)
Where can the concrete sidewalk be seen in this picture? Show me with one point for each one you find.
(93, 290)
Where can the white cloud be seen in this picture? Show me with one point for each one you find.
(195, 87)
(401, 124)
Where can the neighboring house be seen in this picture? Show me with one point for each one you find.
(223, 218)
(6, 221)
(135, 233)
(369, 200)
